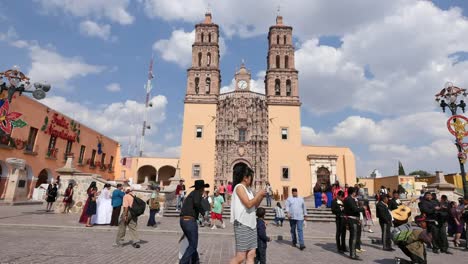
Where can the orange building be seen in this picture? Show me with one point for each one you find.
(44, 138)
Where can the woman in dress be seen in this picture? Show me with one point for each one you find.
(318, 195)
(51, 196)
(243, 207)
(68, 199)
(91, 209)
(104, 207)
(154, 206)
(456, 214)
(84, 217)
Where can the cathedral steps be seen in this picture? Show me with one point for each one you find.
(314, 214)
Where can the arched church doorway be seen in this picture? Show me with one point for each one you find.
(323, 176)
(165, 173)
(146, 171)
(42, 178)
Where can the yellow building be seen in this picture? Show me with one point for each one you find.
(263, 131)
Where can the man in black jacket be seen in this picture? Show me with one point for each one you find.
(395, 201)
(337, 207)
(385, 221)
(429, 208)
(191, 209)
(442, 216)
(352, 214)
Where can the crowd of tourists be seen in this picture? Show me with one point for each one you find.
(437, 219)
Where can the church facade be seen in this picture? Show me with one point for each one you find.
(263, 131)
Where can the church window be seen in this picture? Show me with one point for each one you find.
(285, 173)
(197, 85)
(284, 39)
(202, 37)
(277, 39)
(209, 37)
(277, 87)
(208, 59)
(199, 59)
(208, 85)
(199, 132)
(196, 170)
(286, 61)
(284, 133)
(242, 133)
(277, 61)
(288, 87)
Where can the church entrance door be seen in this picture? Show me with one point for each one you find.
(323, 176)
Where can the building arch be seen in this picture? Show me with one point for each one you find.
(199, 59)
(208, 86)
(202, 37)
(165, 173)
(284, 38)
(3, 169)
(277, 87)
(197, 85)
(277, 61)
(323, 175)
(288, 88)
(146, 171)
(286, 61)
(208, 59)
(277, 39)
(44, 176)
(209, 37)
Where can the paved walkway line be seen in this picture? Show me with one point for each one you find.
(161, 231)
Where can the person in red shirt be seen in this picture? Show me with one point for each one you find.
(222, 191)
(180, 193)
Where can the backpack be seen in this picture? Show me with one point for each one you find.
(153, 204)
(138, 206)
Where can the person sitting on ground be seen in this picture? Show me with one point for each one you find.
(279, 214)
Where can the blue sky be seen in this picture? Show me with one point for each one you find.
(368, 69)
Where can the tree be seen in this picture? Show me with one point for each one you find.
(401, 170)
(421, 173)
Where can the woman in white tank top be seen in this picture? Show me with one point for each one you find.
(243, 207)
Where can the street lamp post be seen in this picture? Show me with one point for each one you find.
(448, 98)
(14, 80)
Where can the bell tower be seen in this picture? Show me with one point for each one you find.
(204, 78)
(281, 81)
(201, 100)
(242, 79)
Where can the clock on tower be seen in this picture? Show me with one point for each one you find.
(242, 79)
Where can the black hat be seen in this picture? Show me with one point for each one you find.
(200, 184)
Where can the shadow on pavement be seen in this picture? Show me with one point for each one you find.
(385, 261)
(332, 248)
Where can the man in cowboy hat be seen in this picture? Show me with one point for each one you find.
(191, 209)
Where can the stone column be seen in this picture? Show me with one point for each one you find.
(16, 189)
(6, 185)
(31, 187)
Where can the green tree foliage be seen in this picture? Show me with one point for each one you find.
(401, 170)
(421, 173)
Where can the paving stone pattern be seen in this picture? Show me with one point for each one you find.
(28, 235)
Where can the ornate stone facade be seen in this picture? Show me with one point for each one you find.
(242, 135)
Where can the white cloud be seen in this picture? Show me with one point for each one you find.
(115, 10)
(235, 19)
(56, 69)
(92, 29)
(113, 87)
(420, 141)
(178, 48)
(118, 120)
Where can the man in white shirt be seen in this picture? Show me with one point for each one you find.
(295, 211)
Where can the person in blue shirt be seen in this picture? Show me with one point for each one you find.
(295, 211)
(117, 199)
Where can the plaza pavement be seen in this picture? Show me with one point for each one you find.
(30, 235)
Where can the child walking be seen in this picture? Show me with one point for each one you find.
(262, 237)
(367, 221)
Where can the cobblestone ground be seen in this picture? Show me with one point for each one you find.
(29, 235)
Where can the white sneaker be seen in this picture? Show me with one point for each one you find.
(223, 226)
(214, 227)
